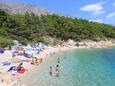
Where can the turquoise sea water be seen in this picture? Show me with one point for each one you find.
(83, 67)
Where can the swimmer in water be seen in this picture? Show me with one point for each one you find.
(57, 71)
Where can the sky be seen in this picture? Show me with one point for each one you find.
(102, 11)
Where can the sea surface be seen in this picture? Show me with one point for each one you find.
(82, 67)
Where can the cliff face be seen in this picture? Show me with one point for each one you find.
(19, 8)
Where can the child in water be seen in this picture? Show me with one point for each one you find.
(57, 70)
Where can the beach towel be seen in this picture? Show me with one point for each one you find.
(23, 70)
(6, 63)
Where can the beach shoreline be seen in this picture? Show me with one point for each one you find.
(54, 50)
(57, 50)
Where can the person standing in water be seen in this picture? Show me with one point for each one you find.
(57, 71)
(50, 71)
(58, 60)
(65, 57)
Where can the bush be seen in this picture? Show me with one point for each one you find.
(4, 42)
(77, 44)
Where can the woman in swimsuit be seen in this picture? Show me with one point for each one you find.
(57, 70)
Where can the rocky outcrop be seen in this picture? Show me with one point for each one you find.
(19, 8)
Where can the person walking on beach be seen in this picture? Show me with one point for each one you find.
(50, 71)
(57, 71)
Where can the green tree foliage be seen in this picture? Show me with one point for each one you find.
(3, 17)
(30, 27)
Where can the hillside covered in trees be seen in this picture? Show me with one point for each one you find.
(29, 27)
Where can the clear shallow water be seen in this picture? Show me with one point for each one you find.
(85, 67)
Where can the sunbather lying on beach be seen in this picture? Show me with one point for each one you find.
(18, 68)
(12, 68)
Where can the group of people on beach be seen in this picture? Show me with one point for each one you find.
(36, 60)
(17, 65)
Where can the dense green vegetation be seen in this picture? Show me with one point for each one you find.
(33, 28)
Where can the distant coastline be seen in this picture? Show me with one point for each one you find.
(93, 44)
(90, 44)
